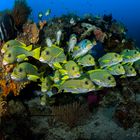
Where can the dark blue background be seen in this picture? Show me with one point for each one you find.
(127, 11)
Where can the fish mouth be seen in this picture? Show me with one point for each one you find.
(4, 62)
(42, 60)
(2, 51)
(76, 76)
(89, 46)
(13, 77)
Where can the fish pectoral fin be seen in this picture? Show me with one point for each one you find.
(65, 77)
(21, 57)
(32, 77)
(63, 72)
(106, 61)
(57, 65)
(65, 61)
(123, 76)
(76, 48)
(127, 57)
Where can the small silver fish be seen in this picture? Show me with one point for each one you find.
(72, 42)
(58, 36)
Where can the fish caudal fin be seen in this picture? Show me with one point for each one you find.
(36, 53)
(29, 48)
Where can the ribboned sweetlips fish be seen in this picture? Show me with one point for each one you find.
(129, 70)
(25, 72)
(86, 60)
(82, 48)
(76, 86)
(52, 55)
(102, 78)
(18, 54)
(117, 69)
(130, 56)
(109, 59)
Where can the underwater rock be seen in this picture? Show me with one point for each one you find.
(16, 108)
(3, 107)
(126, 114)
(111, 98)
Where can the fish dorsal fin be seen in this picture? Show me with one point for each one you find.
(65, 77)
(23, 44)
(63, 71)
(57, 65)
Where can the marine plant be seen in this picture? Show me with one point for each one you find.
(20, 12)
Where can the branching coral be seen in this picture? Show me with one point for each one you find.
(20, 12)
(11, 86)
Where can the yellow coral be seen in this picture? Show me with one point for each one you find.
(11, 86)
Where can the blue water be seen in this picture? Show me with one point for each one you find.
(126, 11)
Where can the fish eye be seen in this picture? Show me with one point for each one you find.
(20, 70)
(9, 55)
(90, 58)
(127, 50)
(119, 67)
(8, 46)
(109, 78)
(73, 68)
(116, 55)
(135, 52)
(47, 52)
(86, 82)
(131, 69)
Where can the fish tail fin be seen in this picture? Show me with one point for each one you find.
(36, 53)
(29, 48)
